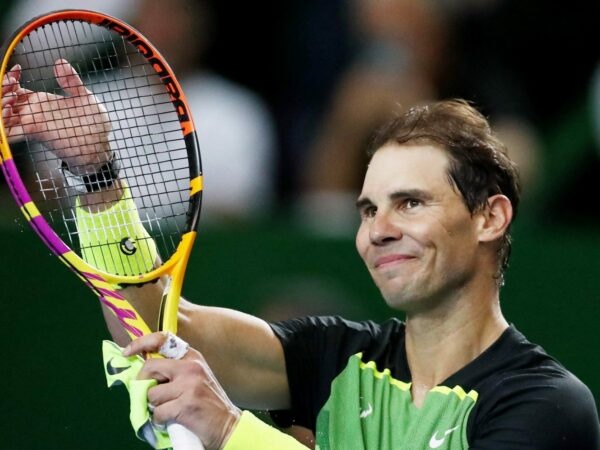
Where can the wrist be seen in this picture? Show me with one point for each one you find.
(251, 433)
(104, 177)
(128, 249)
(232, 422)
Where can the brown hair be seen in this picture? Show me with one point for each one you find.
(479, 166)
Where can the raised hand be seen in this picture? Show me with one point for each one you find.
(75, 127)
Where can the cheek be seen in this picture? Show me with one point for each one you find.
(445, 239)
(457, 241)
(422, 234)
(362, 241)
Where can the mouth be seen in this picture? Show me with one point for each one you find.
(391, 260)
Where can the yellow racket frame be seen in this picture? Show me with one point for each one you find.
(103, 283)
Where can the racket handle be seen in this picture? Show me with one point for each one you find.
(182, 438)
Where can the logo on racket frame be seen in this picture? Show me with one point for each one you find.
(161, 70)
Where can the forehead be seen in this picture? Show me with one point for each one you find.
(398, 167)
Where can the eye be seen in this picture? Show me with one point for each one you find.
(412, 203)
(409, 204)
(368, 212)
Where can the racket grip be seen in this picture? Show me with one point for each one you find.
(182, 438)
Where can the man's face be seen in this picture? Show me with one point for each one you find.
(416, 236)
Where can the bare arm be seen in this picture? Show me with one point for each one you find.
(242, 350)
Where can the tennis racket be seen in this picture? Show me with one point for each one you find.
(100, 153)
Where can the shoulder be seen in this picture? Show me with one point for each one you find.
(541, 388)
(534, 402)
(328, 342)
(536, 410)
(336, 326)
(322, 335)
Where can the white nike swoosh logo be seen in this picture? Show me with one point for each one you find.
(434, 442)
(367, 412)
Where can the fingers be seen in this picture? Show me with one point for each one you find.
(13, 94)
(162, 370)
(68, 79)
(149, 343)
(166, 344)
(162, 393)
(10, 81)
(195, 400)
(164, 415)
(10, 97)
(187, 392)
(176, 382)
(10, 85)
(9, 101)
(15, 72)
(7, 113)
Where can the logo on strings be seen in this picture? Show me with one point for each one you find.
(127, 246)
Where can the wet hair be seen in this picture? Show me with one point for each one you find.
(479, 166)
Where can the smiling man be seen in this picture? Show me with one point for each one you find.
(436, 206)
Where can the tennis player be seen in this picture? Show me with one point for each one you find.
(436, 207)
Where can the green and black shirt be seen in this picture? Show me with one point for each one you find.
(350, 383)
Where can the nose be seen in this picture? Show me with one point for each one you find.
(383, 229)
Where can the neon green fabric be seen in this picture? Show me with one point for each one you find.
(114, 240)
(121, 369)
(363, 399)
(251, 433)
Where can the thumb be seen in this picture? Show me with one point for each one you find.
(68, 78)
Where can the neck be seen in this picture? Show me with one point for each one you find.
(444, 339)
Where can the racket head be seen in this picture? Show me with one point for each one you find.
(151, 133)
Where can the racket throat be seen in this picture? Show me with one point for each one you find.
(162, 326)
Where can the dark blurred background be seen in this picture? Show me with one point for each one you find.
(286, 96)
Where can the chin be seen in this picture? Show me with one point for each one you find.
(407, 297)
(401, 301)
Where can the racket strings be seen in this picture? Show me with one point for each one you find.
(108, 233)
(144, 135)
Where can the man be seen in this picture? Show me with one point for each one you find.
(436, 206)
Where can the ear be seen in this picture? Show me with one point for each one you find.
(494, 218)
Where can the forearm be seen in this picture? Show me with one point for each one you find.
(106, 208)
(242, 351)
(145, 300)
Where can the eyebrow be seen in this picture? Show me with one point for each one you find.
(396, 195)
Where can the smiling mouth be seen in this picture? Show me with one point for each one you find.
(391, 260)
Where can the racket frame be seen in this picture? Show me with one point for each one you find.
(103, 283)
